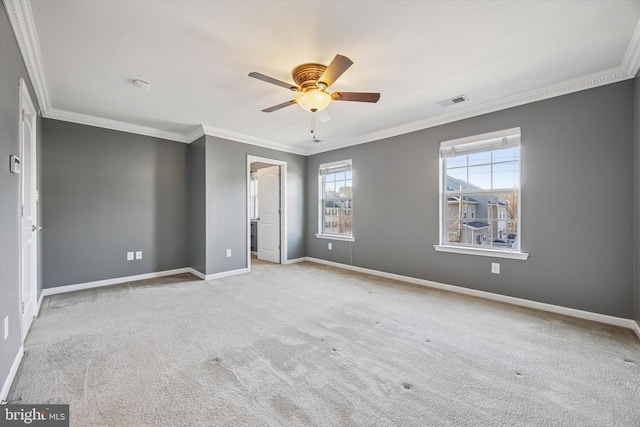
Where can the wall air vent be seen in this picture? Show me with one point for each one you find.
(454, 100)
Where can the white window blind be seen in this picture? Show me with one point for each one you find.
(487, 142)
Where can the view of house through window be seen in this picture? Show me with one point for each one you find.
(481, 191)
(336, 198)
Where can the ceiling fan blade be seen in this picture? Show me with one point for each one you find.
(356, 96)
(323, 115)
(335, 69)
(279, 106)
(273, 81)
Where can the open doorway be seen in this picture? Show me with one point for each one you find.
(266, 210)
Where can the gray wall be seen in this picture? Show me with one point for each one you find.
(11, 70)
(636, 212)
(107, 193)
(226, 188)
(577, 186)
(197, 214)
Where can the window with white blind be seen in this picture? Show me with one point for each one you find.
(335, 200)
(480, 195)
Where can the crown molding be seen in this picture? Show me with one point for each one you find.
(631, 60)
(566, 87)
(194, 134)
(85, 119)
(233, 136)
(21, 19)
(24, 29)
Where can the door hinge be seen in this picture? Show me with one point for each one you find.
(21, 210)
(23, 114)
(22, 307)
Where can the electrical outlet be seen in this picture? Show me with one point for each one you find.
(330, 246)
(6, 327)
(138, 254)
(495, 268)
(129, 256)
(228, 253)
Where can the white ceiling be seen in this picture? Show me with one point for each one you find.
(197, 55)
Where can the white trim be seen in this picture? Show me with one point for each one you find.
(24, 29)
(589, 81)
(259, 142)
(283, 205)
(636, 328)
(197, 273)
(39, 302)
(226, 274)
(23, 26)
(571, 312)
(108, 282)
(295, 260)
(495, 253)
(85, 119)
(631, 60)
(12, 375)
(335, 237)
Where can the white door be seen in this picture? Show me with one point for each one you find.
(28, 220)
(269, 214)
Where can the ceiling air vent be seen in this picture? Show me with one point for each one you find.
(454, 100)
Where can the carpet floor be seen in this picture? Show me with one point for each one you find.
(311, 345)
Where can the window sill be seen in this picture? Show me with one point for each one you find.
(495, 253)
(336, 237)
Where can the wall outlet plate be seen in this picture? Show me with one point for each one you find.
(228, 253)
(495, 268)
(138, 254)
(330, 246)
(129, 256)
(6, 327)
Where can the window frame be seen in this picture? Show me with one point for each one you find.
(487, 139)
(321, 234)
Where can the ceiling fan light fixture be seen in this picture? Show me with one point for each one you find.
(314, 100)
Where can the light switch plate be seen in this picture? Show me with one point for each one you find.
(129, 256)
(495, 268)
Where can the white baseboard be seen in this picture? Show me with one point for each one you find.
(197, 273)
(226, 274)
(12, 375)
(108, 282)
(572, 312)
(296, 260)
(636, 329)
(39, 303)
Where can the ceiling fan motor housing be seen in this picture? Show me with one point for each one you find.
(307, 75)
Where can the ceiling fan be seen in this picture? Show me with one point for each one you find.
(313, 80)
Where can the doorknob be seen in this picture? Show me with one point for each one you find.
(36, 227)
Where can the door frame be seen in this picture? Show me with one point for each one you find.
(283, 205)
(25, 103)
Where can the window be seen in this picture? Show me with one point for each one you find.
(335, 194)
(480, 208)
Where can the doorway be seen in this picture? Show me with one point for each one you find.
(28, 210)
(266, 210)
